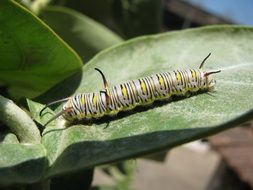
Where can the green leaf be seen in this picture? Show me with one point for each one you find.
(160, 127)
(33, 58)
(20, 163)
(85, 35)
(18, 121)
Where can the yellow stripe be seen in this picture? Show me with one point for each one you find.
(193, 74)
(124, 90)
(161, 81)
(179, 76)
(82, 100)
(143, 86)
(94, 101)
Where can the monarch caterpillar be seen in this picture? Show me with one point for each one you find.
(128, 95)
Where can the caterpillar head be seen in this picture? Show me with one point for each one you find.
(67, 110)
(208, 81)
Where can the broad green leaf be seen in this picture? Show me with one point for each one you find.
(85, 35)
(33, 58)
(159, 127)
(18, 121)
(20, 163)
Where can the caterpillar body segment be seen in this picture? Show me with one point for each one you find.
(128, 95)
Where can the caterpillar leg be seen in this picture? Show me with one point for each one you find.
(107, 125)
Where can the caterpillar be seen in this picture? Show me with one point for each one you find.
(128, 95)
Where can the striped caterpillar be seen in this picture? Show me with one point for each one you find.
(128, 95)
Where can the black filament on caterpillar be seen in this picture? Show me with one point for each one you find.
(139, 92)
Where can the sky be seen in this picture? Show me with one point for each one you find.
(240, 11)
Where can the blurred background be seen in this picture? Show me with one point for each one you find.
(131, 18)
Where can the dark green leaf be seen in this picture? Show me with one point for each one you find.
(85, 35)
(20, 163)
(33, 58)
(80, 180)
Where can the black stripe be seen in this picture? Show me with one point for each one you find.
(89, 104)
(74, 100)
(148, 87)
(117, 101)
(152, 82)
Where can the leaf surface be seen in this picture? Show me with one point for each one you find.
(21, 163)
(161, 126)
(33, 58)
